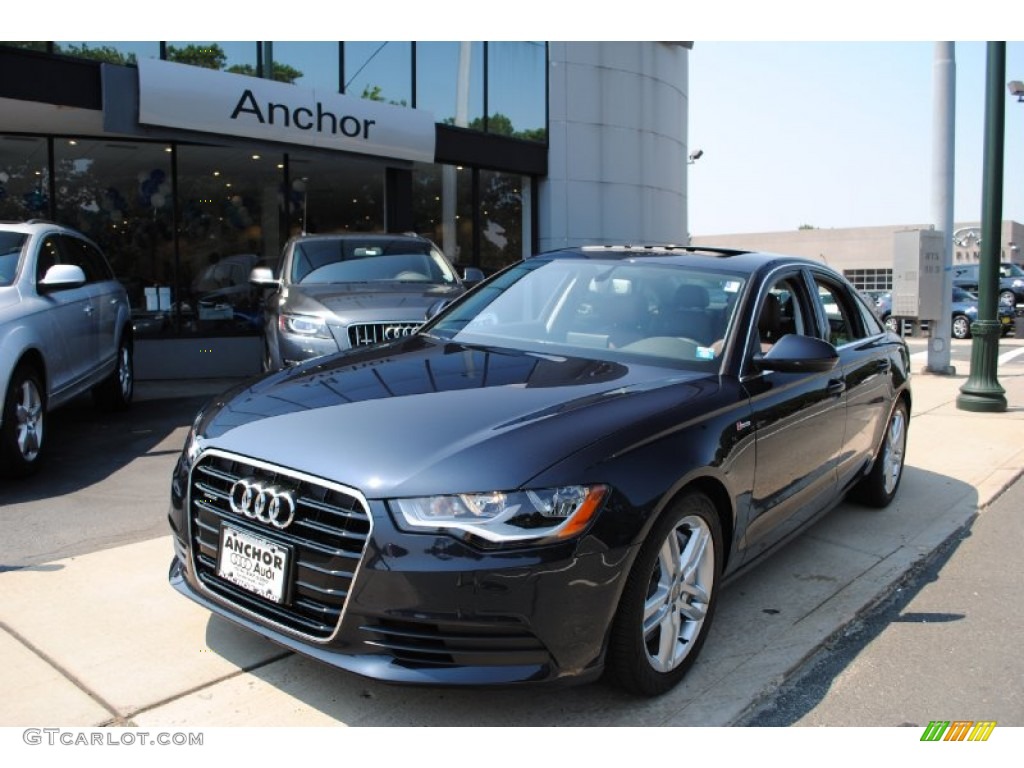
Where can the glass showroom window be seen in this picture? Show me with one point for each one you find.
(517, 89)
(230, 219)
(119, 194)
(501, 219)
(240, 58)
(110, 52)
(24, 179)
(381, 71)
(309, 65)
(450, 82)
(335, 193)
(443, 209)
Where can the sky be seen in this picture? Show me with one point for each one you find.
(839, 134)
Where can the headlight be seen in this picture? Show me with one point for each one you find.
(304, 325)
(534, 516)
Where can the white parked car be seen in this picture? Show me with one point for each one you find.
(65, 329)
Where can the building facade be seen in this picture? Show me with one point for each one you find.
(191, 161)
(866, 254)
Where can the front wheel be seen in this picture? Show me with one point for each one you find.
(669, 599)
(24, 418)
(879, 486)
(961, 327)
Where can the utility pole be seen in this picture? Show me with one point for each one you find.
(981, 391)
(943, 143)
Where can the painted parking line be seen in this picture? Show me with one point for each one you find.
(1008, 356)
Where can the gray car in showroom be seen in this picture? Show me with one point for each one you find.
(334, 292)
(65, 329)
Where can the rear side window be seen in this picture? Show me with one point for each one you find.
(80, 253)
(11, 244)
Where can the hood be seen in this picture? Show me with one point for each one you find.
(360, 301)
(419, 416)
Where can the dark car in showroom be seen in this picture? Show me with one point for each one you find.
(964, 308)
(334, 292)
(553, 477)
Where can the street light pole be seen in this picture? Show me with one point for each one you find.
(981, 391)
(943, 131)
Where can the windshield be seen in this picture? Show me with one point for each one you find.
(1011, 270)
(354, 260)
(10, 251)
(665, 314)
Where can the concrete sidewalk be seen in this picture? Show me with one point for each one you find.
(102, 639)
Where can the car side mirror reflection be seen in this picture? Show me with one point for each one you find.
(472, 276)
(263, 277)
(798, 354)
(435, 308)
(62, 276)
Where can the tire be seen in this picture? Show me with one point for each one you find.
(116, 392)
(669, 599)
(879, 486)
(961, 327)
(24, 418)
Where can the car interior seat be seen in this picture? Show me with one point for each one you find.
(769, 322)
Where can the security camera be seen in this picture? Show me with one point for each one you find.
(1016, 88)
(696, 155)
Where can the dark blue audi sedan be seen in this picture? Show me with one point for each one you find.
(553, 477)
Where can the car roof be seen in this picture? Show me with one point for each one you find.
(684, 255)
(363, 236)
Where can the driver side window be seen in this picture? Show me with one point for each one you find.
(782, 312)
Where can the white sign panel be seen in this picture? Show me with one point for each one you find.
(198, 99)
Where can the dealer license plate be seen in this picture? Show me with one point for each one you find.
(253, 563)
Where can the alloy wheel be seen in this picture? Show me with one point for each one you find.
(679, 593)
(28, 416)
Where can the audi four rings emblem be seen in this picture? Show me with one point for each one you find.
(265, 503)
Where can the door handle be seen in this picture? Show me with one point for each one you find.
(836, 386)
(88, 309)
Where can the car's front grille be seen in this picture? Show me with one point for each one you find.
(437, 644)
(365, 334)
(327, 538)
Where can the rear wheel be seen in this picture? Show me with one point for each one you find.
(669, 599)
(879, 486)
(24, 419)
(117, 390)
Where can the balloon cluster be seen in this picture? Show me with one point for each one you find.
(154, 189)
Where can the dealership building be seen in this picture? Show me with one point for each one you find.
(188, 162)
(191, 162)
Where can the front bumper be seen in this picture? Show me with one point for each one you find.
(425, 608)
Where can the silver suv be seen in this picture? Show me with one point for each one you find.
(340, 291)
(65, 329)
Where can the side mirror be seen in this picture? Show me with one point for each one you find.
(263, 277)
(473, 275)
(798, 354)
(62, 276)
(435, 308)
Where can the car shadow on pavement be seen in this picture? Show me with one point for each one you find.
(105, 481)
(761, 637)
(86, 445)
